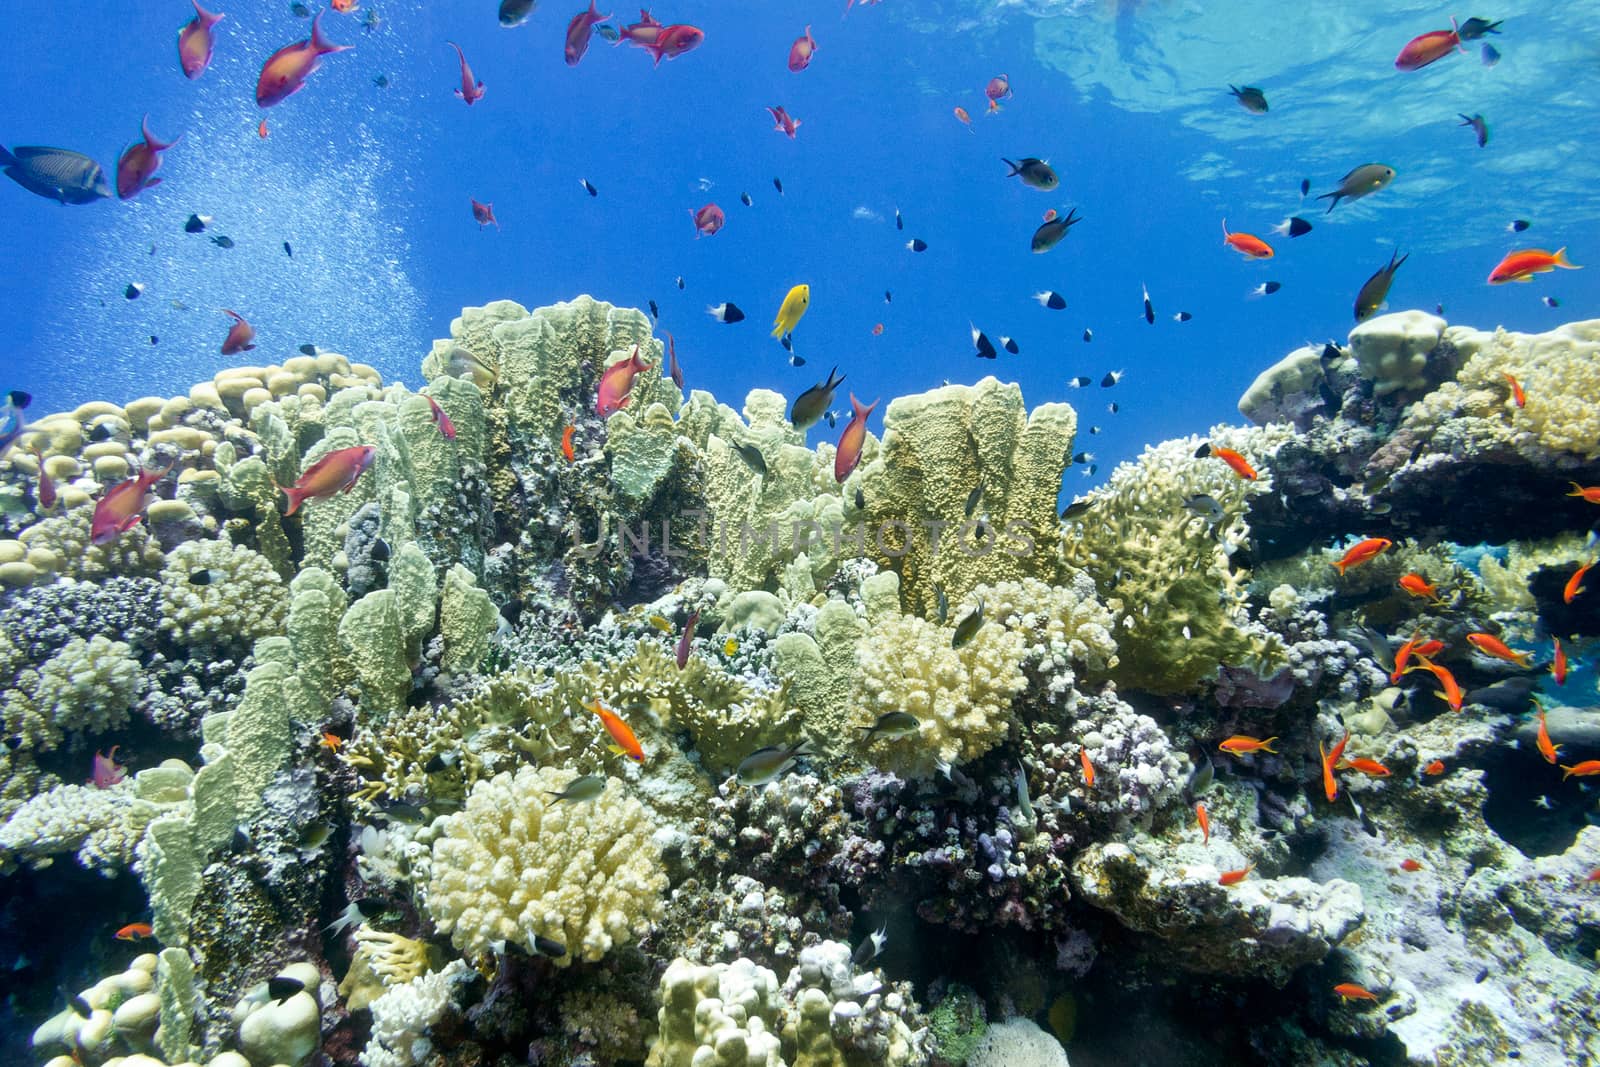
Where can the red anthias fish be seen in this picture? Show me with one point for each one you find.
(850, 442)
(470, 91)
(140, 161)
(484, 213)
(195, 42)
(286, 70)
(440, 419)
(642, 33)
(120, 509)
(616, 383)
(998, 89)
(673, 41)
(800, 53)
(784, 122)
(683, 642)
(47, 500)
(105, 771)
(579, 30)
(708, 220)
(241, 335)
(1420, 51)
(334, 473)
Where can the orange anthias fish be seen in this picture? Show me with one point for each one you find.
(877, 330)
(566, 444)
(286, 70)
(195, 43)
(1362, 552)
(966, 119)
(616, 383)
(331, 742)
(1240, 465)
(471, 90)
(1587, 769)
(1088, 767)
(1436, 767)
(1428, 649)
(483, 213)
(138, 164)
(1428, 47)
(1241, 745)
(1365, 766)
(1575, 586)
(134, 932)
(261, 130)
(1449, 691)
(337, 472)
(241, 335)
(1558, 665)
(851, 440)
(1235, 877)
(1546, 749)
(626, 743)
(1417, 585)
(1590, 493)
(1204, 820)
(1410, 865)
(1522, 265)
(1351, 991)
(800, 53)
(1330, 784)
(1490, 645)
(1518, 397)
(344, 7)
(1402, 656)
(120, 509)
(1247, 244)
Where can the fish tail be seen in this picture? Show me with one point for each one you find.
(1560, 260)
(1266, 746)
(296, 498)
(1336, 197)
(1015, 170)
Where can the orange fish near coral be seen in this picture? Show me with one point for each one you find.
(1365, 766)
(241, 335)
(626, 743)
(1575, 587)
(1428, 649)
(1590, 493)
(1587, 769)
(1522, 265)
(616, 384)
(1204, 821)
(1402, 656)
(1490, 645)
(1235, 877)
(1362, 552)
(331, 742)
(1449, 691)
(566, 444)
(1417, 585)
(1351, 991)
(1434, 768)
(337, 472)
(1240, 465)
(1546, 749)
(440, 419)
(1410, 866)
(120, 509)
(1558, 665)
(1330, 784)
(1247, 244)
(1088, 767)
(1240, 745)
(850, 442)
(134, 932)
(1518, 397)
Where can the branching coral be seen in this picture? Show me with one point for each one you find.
(515, 864)
(88, 686)
(214, 595)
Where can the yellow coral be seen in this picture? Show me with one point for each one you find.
(514, 863)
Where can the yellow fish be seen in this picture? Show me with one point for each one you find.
(730, 646)
(794, 306)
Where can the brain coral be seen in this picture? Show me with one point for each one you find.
(515, 863)
(237, 598)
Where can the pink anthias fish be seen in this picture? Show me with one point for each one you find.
(1428, 48)
(708, 220)
(47, 485)
(106, 772)
(337, 472)
(122, 506)
(851, 3)
(785, 124)
(675, 372)
(195, 42)
(683, 642)
(616, 383)
(440, 419)
(241, 335)
(850, 442)
(286, 70)
(800, 53)
(470, 91)
(140, 161)
(579, 30)
(484, 213)
(662, 42)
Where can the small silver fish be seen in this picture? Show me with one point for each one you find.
(942, 602)
(585, 787)
(892, 725)
(766, 764)
(973, 498)
(1204, 505)
(968, 626)
(752, 455)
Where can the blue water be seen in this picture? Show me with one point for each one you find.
(1129, 102)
